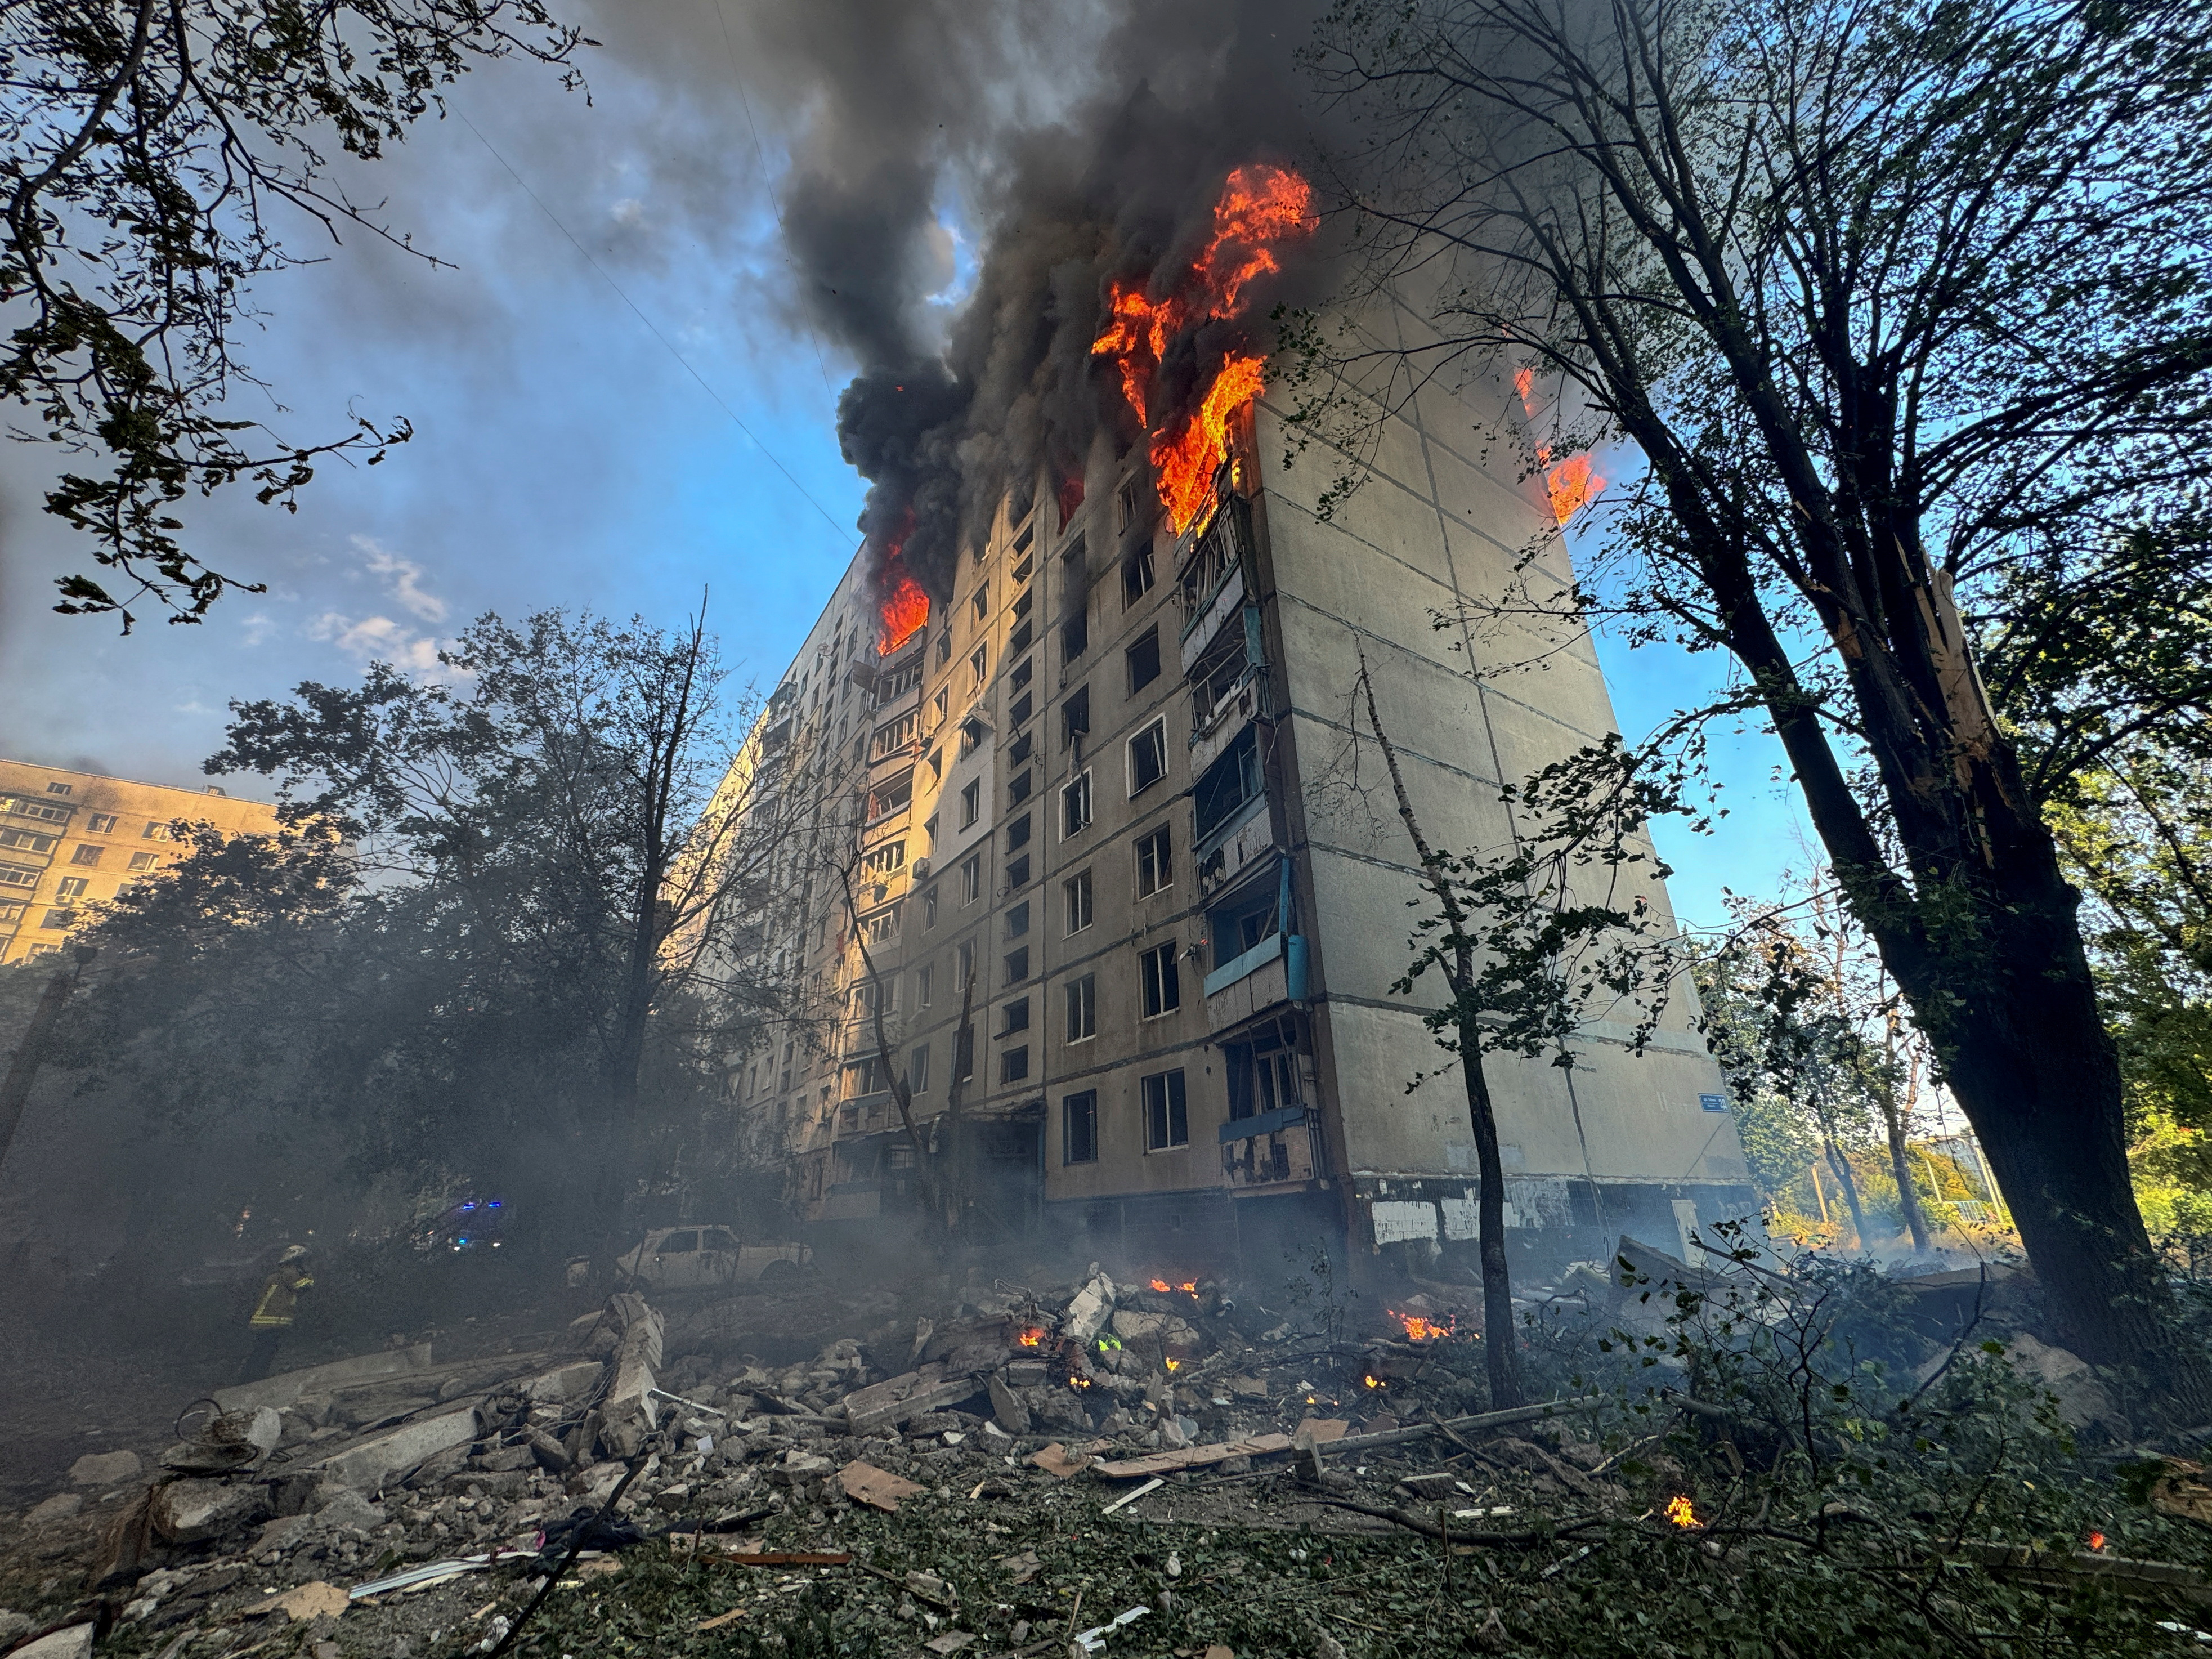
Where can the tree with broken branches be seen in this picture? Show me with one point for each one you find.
(1891, 312)
(148, 156)
(1527, 942)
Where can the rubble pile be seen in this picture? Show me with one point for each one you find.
(1106, 1463)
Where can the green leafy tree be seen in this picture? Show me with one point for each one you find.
(1892, 313)
(1527, 940)
(149, 155)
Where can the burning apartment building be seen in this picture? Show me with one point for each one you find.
(1098, 927)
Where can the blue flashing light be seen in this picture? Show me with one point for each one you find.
(493, 1205)
(471, 1204)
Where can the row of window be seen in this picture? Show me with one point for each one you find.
(97, 823)
(1162, 1103)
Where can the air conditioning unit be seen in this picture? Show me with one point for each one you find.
(920, 867)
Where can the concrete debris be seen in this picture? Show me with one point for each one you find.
(107, 1469)
(2082, 1398)
(287, 1387)
(864, 1483)
(74, 1643)
(313, 1600)
(191, 1511)
(59, 1507)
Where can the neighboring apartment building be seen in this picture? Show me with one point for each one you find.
(68, 839)
(1108, 786)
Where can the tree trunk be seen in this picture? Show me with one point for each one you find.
(1908, 1195)
(1501, 1350)
(31, 1052)
(1840, 1167)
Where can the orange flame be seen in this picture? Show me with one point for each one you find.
(1681, 1513)
(2096, 1540)
(1524, 382)
(1418, 1330)
(1033, 1337)
(903, 614)
(1371, 1382)
(1572, 486)
(1185, 461)
(1259, 206)
(1161, 1285)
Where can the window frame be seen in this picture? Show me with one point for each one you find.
(1079, 908)
(1149, 640)
(971, 803)
(1157, 847)
(1173, 1120)
(1076, 787)
(1159, 981)
(1156, 730)
(1081, 1009)
(1079, 1107)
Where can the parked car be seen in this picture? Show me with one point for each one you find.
(708, 1258)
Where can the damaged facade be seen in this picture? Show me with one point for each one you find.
(1110, 786)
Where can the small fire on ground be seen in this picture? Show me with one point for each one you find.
(1188, 1286)
(1418, 1330)
(1032, 1337)
(1679, 1510)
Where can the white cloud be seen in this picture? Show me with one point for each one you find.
(403, 578)
(378, 638)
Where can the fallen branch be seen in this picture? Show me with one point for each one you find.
(1445, 1426)
(1414, 1522)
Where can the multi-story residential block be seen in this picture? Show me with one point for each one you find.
(70, 839)
(1105, 801)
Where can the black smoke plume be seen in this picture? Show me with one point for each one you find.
(1117, 181)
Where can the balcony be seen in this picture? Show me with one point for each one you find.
(1274, 1149)
(1211, 577)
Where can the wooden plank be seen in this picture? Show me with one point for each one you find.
(1194, 1457)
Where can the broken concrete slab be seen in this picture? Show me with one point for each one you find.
(564, 1383)
(74, 1643)
(316, 1598)
(193, 1511)
(59, 1507)
(1088, 1312)
(1193, 1457)
(286, 1388)
(1318, 1431)
(1060, 1463)
(883, 1405)
(106, 1468)
(370, 1462)
(1006, 1406)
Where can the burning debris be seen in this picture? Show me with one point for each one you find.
(985, 1471)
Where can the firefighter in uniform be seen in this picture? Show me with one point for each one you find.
(274, 1308)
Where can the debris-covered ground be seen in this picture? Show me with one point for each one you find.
(1744, 1461)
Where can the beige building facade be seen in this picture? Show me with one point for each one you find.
(1108, 794)
(70, 840)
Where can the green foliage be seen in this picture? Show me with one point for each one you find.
(486, 938)
(148, 149)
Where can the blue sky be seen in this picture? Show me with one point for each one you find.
(567, 453)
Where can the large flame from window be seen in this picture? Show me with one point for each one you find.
(1572, 485)
(1259, 207)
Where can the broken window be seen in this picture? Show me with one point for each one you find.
(1144, 660)
(1079, 1127)
(1082, 1008)
(1159, 981)
(1148, 757)
(1167, 1117)
(1137, 575)
(1155, 865)
(1232, 781)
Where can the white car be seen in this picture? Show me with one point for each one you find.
(706, 1258)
